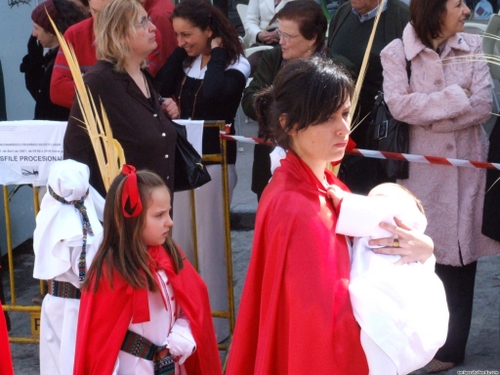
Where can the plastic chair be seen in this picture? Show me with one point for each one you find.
(242, 13)
(251, 50)
(472, 27)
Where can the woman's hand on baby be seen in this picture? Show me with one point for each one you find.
(413, 246)
(335, 194)
(169, 106)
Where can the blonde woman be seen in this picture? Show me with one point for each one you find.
(125, 36)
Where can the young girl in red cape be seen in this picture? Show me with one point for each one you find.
(144, 309)
(6, 361)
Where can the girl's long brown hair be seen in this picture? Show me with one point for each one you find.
(122, 249)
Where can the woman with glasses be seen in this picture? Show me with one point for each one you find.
(120, 80)
(302, 29)
(82, 37)
(203, 80)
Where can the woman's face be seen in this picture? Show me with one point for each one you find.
(46, 39)
(293, 44)
(143, 41)
(324, 142)
(453, 20)
(191, 38)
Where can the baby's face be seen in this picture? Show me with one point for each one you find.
(389, 191)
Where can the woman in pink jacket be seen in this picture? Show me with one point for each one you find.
(447, 100)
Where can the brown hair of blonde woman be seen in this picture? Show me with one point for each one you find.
(113, 26)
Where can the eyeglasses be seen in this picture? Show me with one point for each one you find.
(145, 21)
(285, 36)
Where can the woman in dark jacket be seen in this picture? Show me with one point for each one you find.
(121, 81)
(38, 67)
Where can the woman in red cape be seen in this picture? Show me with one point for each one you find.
(295, 315)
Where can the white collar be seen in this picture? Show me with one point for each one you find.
(195, 70)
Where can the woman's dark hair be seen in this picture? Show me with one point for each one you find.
(425, 17)
(307, 92)
(122, 248)
(310, 18)
(203, 15)
(69, 14)
(85, 3)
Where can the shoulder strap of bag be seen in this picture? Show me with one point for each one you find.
(408, 62)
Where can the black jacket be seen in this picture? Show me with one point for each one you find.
(37, 70)
(147, 136)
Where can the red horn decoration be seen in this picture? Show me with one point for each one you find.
(131, 200)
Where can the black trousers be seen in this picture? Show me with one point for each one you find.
(459, 286)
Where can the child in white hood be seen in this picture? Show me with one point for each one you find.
(67, 235)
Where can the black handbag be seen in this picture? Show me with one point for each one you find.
(190, 173)
(385, 133)
(491, 217)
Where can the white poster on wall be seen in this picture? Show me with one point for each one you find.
(28, 149)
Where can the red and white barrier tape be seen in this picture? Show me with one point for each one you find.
(388, 155)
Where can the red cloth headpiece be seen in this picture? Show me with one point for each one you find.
(131, 200)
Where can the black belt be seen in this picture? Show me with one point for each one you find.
(63, 289)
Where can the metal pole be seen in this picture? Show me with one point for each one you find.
(10, 257)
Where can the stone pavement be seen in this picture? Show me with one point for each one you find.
(483, 350)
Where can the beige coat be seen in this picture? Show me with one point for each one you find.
(445, 123)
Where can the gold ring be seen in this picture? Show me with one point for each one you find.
(395, 242)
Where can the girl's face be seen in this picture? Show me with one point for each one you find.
(143, 40)
(157, 222)
(453, 20)
(191, 38)
(326, 142)
(293, 44)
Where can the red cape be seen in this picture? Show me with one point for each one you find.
(6, 359)
(105, 316)
(295, 316)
